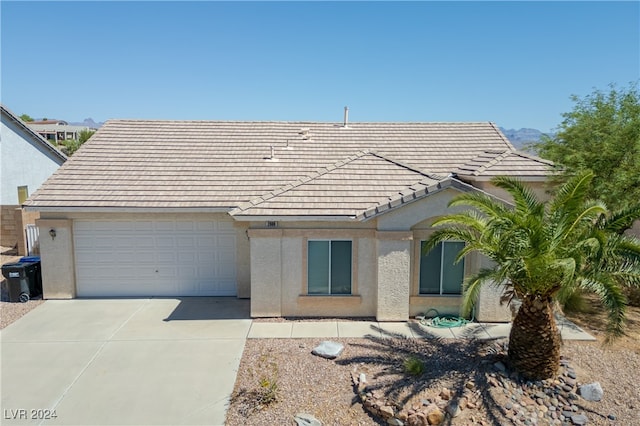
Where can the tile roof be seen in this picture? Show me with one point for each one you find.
(505, 162)
(221, 164)
(359, 186)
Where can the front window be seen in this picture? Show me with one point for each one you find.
(438, 272)
(329, 267)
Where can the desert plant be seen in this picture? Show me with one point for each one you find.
(413, 366)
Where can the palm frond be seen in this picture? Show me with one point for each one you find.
(612, 298)
(621, 220)
(481, 202)
(473, 285)
(572, 194)
(526, 201)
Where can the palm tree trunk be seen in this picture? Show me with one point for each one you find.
(534, 341)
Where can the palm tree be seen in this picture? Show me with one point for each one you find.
(541, 252)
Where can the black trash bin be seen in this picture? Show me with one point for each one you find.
(23, 280)
(36, 282)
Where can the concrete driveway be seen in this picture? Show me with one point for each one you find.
(123, 361)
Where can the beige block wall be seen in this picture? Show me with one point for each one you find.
(13, 222)
(9, 226)
(57, 259)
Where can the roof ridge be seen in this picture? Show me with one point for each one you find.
(335, 123)
(497, 159)
(417, 191)
(533, 157)
(502, 136)
(298, 182)
(406, 166)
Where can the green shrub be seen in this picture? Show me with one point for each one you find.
(413, 366)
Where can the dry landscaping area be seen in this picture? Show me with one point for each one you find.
(280, 378)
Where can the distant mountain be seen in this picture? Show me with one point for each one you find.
(522, 137)
(88, 122)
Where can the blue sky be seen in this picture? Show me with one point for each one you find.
(513, 63)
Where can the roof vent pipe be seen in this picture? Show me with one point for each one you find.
(346, 116)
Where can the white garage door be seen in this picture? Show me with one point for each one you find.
(155, 258)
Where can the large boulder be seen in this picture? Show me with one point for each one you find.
(592, 391)
(328, 349)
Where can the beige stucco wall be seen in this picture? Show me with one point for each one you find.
(243, 262)
(266, 275)
(57, 258)
(540, 188)
(385, 274)
(279, 274)
(394, 275)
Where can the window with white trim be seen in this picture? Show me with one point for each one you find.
(439, 275)
(329, 267)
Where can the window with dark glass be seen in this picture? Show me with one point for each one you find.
(329, 267)
(438, 272)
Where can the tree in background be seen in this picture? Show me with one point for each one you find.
(601, 135)
(542, 251)
(26, 118)
(72, 145)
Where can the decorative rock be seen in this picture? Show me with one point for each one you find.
(470, 385)
(579, 419)
(304, 419)
(395, 422)
(328, 349)
(493, 382)
(454, 409)
(611, 417)
(445, 394)
(463, 402)
(386, 411)
(417, 419)
(592, 391)
(435, 417)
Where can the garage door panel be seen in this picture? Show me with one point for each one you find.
(155, 258)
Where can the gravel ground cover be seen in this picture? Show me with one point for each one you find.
(304, 383)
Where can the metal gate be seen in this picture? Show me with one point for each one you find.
(33, 240)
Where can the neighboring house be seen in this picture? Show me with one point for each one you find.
(27, 160)
(305, 218)
(57, 130)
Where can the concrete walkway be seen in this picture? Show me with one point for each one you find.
(363, 329)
